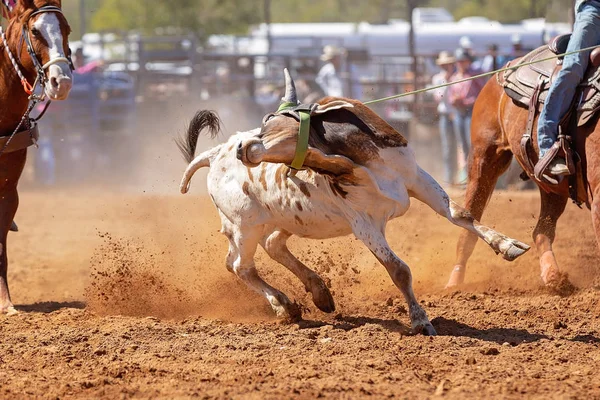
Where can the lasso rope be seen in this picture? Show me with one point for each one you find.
(397, 96)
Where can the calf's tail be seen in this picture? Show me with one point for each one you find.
(202, 120)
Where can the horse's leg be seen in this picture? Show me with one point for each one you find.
(10, 170)
(8, 207)
(244, 241)
(552, 207)
(274, 243)
(592, 155)
(487, 164)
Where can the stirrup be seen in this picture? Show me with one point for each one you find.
(540, 169)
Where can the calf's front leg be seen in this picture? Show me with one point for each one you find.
(375, 240)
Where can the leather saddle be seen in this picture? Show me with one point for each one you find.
(528, 86)
(520, 84)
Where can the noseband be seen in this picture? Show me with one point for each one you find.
(41, 77)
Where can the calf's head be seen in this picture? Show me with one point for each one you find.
(343, 133)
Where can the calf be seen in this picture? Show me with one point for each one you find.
(358, 174)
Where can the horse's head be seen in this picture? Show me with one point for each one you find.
(38, 35)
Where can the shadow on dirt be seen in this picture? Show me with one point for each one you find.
(590, 339)
(50, 306)
(347, 323)
(450, 327)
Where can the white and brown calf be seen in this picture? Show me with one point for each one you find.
(360, 173)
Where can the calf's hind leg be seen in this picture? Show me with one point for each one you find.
(244, 242)
(274, 243)
(427, 190)
(375, 240)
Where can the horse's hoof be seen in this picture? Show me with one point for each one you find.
(457, 277)
(10, 310)
(425, 329)
(322, 297)
(549, 271)
(515, 250)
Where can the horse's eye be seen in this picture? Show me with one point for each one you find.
(35, 32)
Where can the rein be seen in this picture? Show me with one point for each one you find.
(41, 78)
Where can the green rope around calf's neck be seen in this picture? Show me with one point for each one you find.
(302, 144)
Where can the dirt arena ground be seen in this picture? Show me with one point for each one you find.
(126, 296)
(123, 293)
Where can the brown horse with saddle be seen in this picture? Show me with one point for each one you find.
(504, 124)
(34, 66)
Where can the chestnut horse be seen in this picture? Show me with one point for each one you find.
(34, 65)
(497, 127)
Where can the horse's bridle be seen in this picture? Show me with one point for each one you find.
(41, 77)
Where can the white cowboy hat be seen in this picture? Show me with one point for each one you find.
(465, 42)
(445, 58)
(330, 52)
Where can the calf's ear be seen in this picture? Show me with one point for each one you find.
(332, 105)
(333, 164)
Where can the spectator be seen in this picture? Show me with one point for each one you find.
(82, 67)
(462, 96)
(7, 7)
(329, 74)
(491, 61)
(466, 44)
(448, 138)
(517, 47)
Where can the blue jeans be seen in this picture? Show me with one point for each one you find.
(462, 129)
(586, 33)
(448, 139)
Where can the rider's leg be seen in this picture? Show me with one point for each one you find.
(586, 33)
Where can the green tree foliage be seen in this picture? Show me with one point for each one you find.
(200, 16)
(205, 17)
(507, 11)
(374, 11)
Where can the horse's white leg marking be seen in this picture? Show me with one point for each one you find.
(246, 241)
(375, 240)
(274, 243)
(427, 190)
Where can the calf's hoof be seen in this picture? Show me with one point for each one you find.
(425, 329)
(321, 295)
(457, 277)
(9, 310)
(284, 308)
(514, 250)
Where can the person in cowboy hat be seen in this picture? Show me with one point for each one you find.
(328, 77)
(586, 33)
(7, 7)
(462, 96)
(447, 136)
